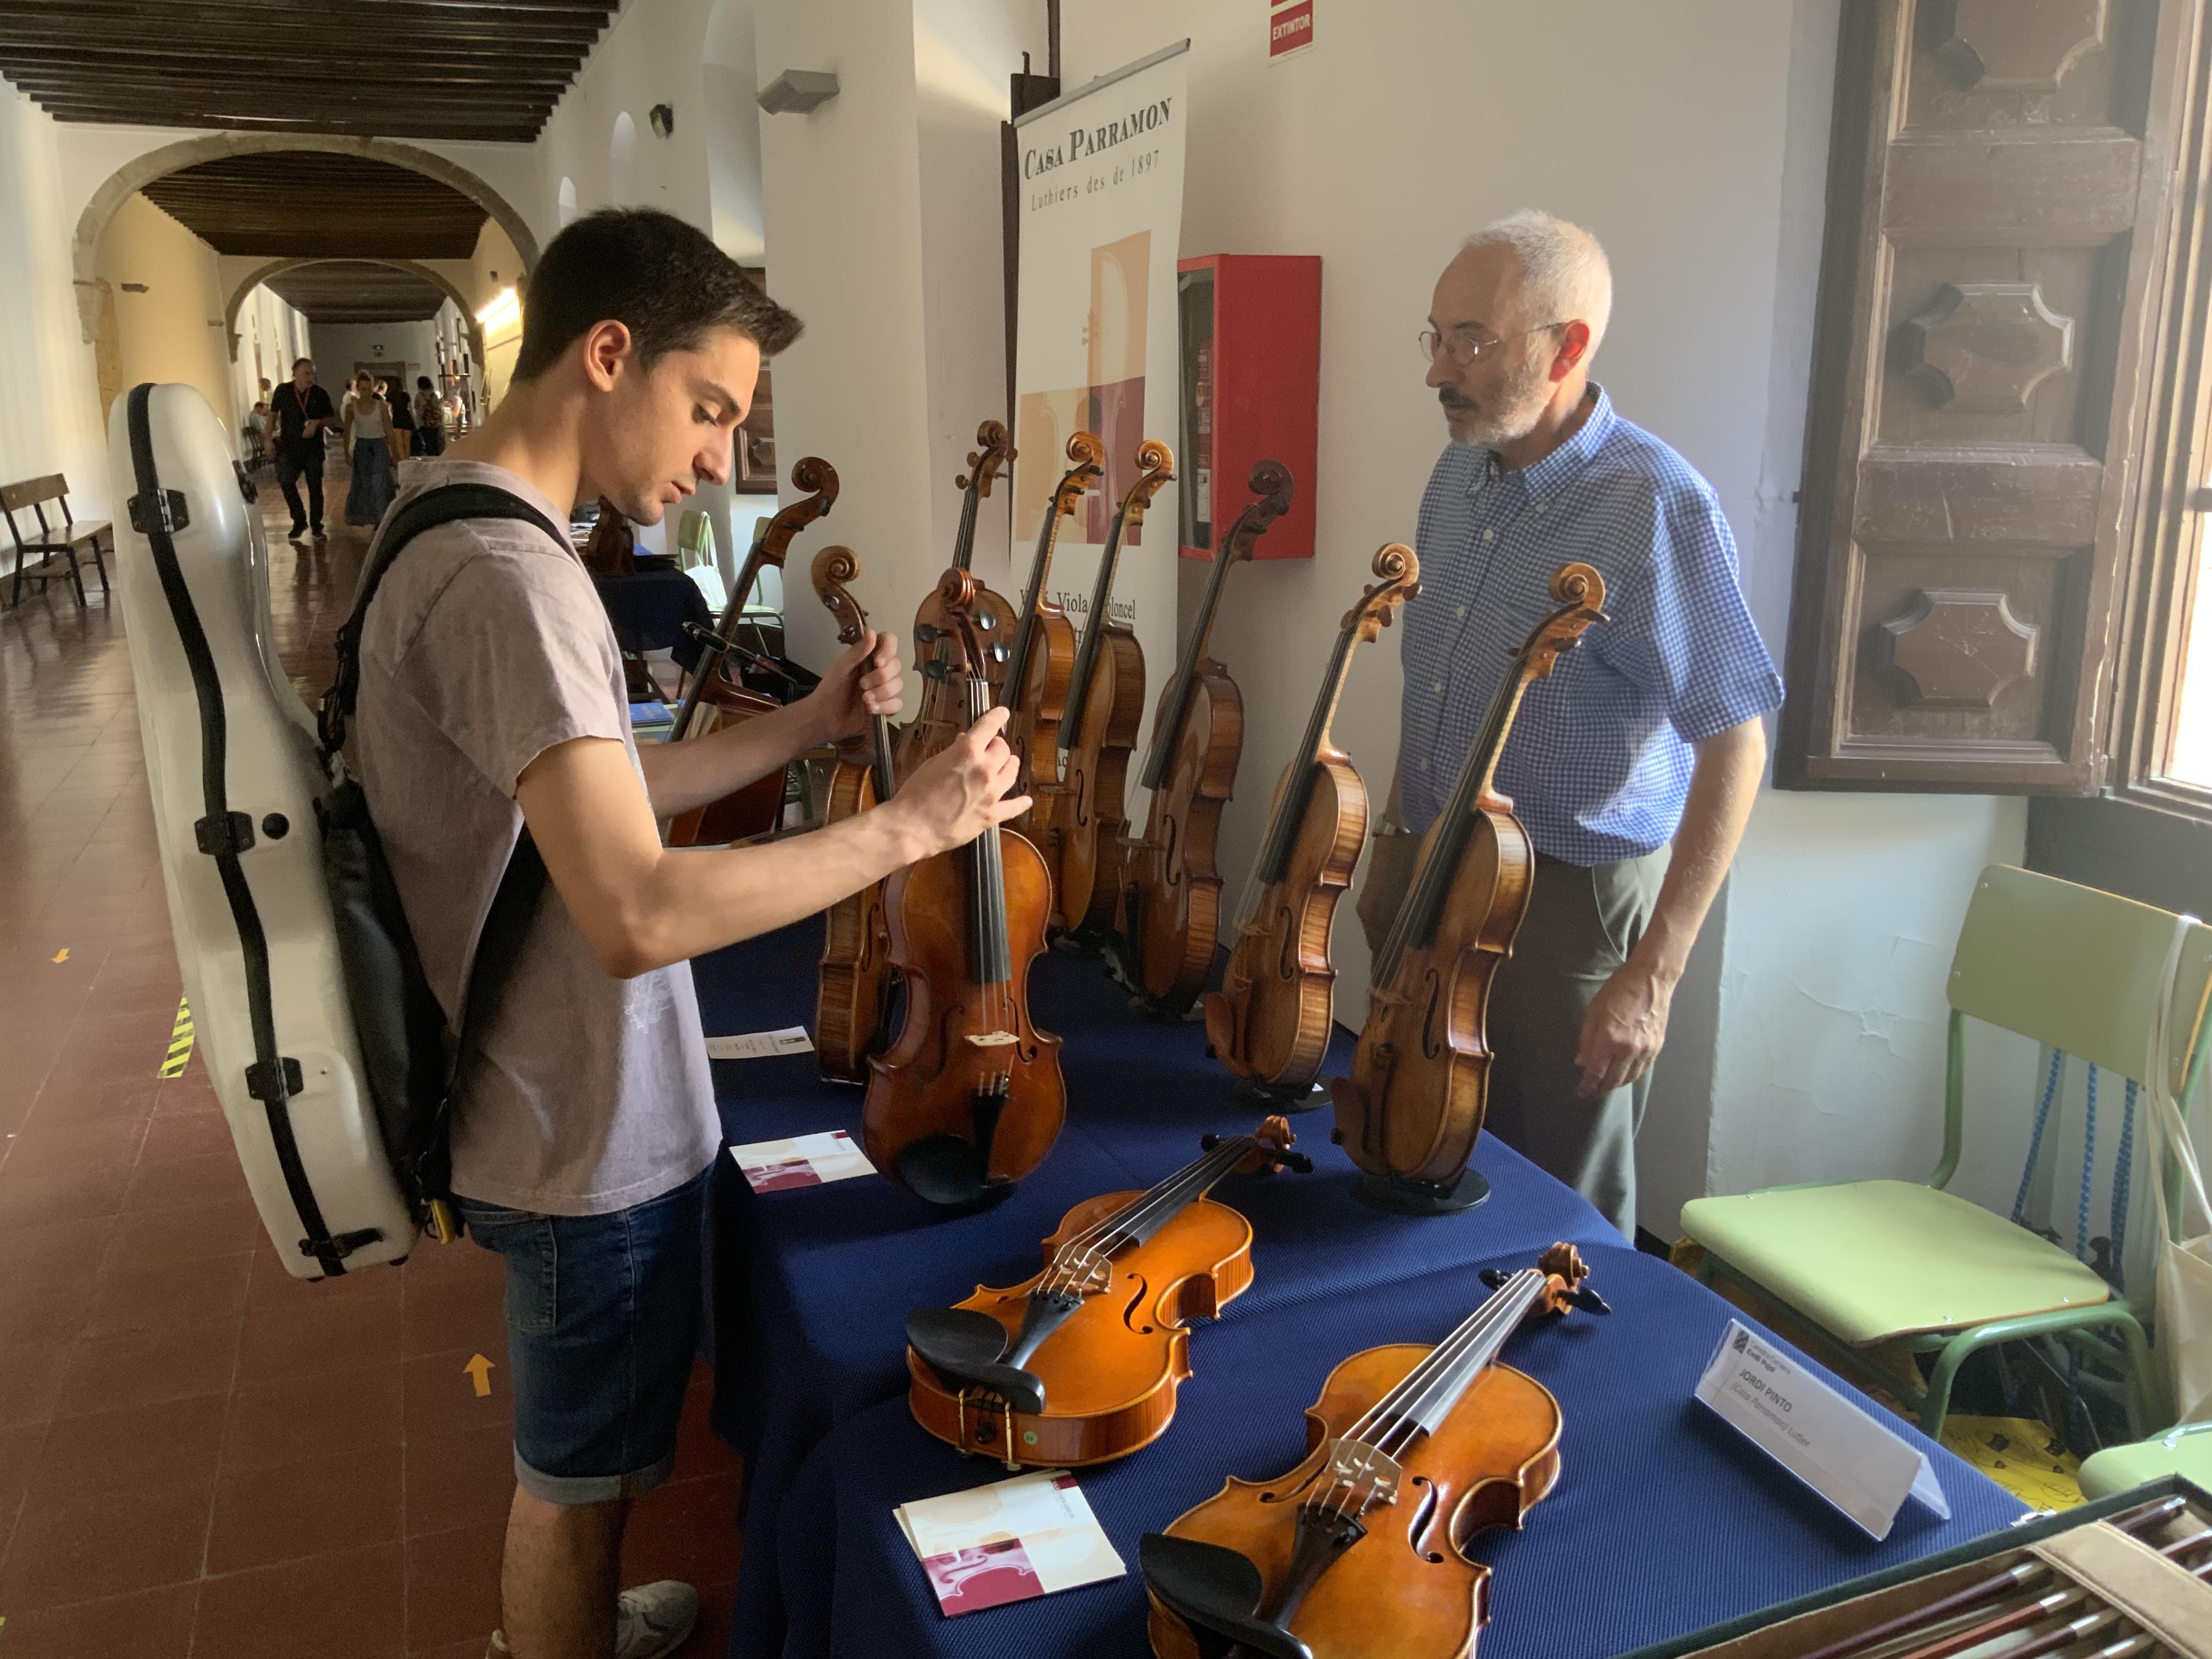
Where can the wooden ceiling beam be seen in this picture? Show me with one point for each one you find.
(175, 59)
(259, 92)
(25, 73)
(372, 31)
(500, 131)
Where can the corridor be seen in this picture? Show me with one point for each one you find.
(200, 1455)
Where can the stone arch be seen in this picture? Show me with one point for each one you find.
(254, 279)
(136, 175)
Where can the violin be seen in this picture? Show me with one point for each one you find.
(937, 719)
(1098, 730)
(1270, 1022)
(1410, 1112)
(1171, 909)
(1411, 1450)
(1080, 1364)
(851, 996)
(754, 808)
(968, 1099)
(1043, 661)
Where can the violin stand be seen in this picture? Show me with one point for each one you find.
(1403, 1197)
(1269, 1098)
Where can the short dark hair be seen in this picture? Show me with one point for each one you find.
(664, 280)
(296, 362)
(423, 382)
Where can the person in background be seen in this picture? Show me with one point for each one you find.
(402, 410)
(368, 443)
(429, 420)
(1633, 768)
(257, 435)
(302, 410)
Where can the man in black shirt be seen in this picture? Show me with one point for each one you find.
(301, 409)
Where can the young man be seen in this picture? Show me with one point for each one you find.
(1634, 766)
(492, 700)
(303, 412)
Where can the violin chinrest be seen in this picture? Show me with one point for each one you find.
(949, 1172)
(964, 1347)
(1217, 1590)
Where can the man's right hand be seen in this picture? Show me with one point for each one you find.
(960, 792)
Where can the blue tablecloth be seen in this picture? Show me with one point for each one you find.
(1663, 1521)
(812, 1285)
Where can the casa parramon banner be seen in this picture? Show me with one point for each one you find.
(1095, 347)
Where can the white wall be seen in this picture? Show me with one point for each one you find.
(728, 84)
(1693, 143)
(653, 54)
(340, 346)
(271, 334)
(50, 421)
(169, 306)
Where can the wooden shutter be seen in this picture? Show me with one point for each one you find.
(1998, 188)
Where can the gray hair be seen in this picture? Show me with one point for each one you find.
(1564, 271)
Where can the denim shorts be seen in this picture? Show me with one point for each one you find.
(602, 1315)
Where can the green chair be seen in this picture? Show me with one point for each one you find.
(695, 539)
(2186, 1451)
(1884, 1264)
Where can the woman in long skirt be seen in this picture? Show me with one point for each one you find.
(368, 443)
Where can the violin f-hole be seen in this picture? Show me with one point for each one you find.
(1129, 1314)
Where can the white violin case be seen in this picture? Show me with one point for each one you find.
(231, 760)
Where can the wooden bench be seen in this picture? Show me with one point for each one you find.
(52, 542)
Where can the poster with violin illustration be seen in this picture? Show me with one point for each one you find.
(1097, 341)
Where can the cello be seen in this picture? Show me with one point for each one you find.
(1043, 659)
(937, 717)
(754, 808)
(1411, 1109)
(1411, 1450)
(1170, 910)
(1270, 1022)
(968, 1099)
(1068, 1368)
(1105, 707)
(852, 994)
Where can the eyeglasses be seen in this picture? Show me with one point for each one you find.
(1463, 350)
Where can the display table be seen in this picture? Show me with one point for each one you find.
(812, 1287)
(1663, 1521)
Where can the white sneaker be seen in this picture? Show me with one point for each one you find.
(650, 1621)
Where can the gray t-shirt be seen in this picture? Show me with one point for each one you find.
(486, 646)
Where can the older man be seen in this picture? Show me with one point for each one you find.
(1646, 742)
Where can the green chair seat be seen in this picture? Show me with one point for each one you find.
(2186, 1451)
(1869, 1261)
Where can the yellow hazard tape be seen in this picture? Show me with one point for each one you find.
(180, 1042)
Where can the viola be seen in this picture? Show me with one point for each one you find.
(1411, 1450)
(1270, 1022)
(754, 809)
(1080, 1364)
(1098, 730)
(851, 996)
(968, 1099)
(1043, 662)
(1410, 1112)
(1170, 907)
(937, 719)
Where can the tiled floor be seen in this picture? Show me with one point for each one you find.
(199, 1455)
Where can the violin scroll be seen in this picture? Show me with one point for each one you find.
(1580, 592)
(833, 567)
(1155, 468)
(1564, 1271)
(1086, 457)
(816, 477)
(993, 451)
(1271, 482)
(1398, 568)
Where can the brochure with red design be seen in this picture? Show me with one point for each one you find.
(1008, 1542)
(771, 1166)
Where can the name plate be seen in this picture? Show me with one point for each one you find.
(1863, 1469)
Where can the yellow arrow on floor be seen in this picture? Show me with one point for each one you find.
(479, 1370)
(61, 955)
(180, 1042)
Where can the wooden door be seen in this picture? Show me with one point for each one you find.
(1998, 193)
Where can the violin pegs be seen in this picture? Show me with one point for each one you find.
(1297, 1161)
(1207, 1143)
(927, 633)
(936, 670)
(1589, 1301)
(1494, 1277)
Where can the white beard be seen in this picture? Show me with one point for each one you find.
(1513, 412)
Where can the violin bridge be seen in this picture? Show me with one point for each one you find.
(993, 1039)
(1366, 1469)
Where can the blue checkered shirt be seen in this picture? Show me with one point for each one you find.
(1598, 764)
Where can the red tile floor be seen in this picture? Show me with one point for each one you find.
(200, 1455)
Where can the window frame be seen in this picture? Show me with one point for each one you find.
(2164, 581)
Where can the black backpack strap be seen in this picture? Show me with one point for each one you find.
(223, 835)
(514, 904)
